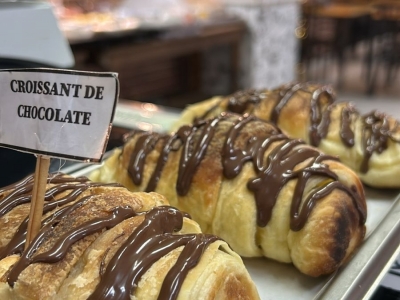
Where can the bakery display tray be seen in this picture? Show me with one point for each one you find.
(358, 279)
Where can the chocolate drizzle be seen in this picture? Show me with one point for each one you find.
(318, 126)
(17, 243)
(346, 133)
(376, 134)
(144, 146)
(241, 101)
(21, 191)
(247, 101)
(64, 243)
(193, 153)
(152, 240)
(376, 131)
(149, 242)
(319, 116)
(272, 172)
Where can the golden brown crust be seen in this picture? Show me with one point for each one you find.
(383, 170)
(293, 106)
(228, 208)
(293, 118)
(77, 274)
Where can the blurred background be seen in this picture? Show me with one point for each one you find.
(176, 52)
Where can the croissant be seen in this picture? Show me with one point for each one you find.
(101, 241)
(242, 179)
(369, 144)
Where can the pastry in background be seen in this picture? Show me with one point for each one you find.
(369, 144)
(100, 241)
(242, 179)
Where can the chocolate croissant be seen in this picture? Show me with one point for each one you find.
(242, 179)
(101, 241)
(368, 144)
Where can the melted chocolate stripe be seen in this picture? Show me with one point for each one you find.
(271, 178)
(188, 259)
(144, 145)
(30, 178)
(234, 159)
(19, 196)
(153, 239)
(150, 241)
(282, 102)
(272, 172)
(240, 101)
(151, 185)
(376, 134)
(346, 133)
(60, 248)
(17, 243)
(318, 128)
(18, 184)
(193, 155)
(22, 192)
(322, 128)
(26, 256)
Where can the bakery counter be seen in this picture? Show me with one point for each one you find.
(159, 62)
(358, 279)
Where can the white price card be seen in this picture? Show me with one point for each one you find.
(58, 113)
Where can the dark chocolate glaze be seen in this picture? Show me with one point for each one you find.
(21, 191)
(64, 243)
(244, 101)
(144, 146)
(148, 243)
(346, 132)
(272, 172)
(193, 152)
(247, 101)
(26, 257)
(376, 135)
(318, 128)
(17, 243)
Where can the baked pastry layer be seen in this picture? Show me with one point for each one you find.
(242, 179)
(369, 144)
(101, 241)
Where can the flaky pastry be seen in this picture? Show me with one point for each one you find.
(369, 144)
(242, 179)
(101, 241)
